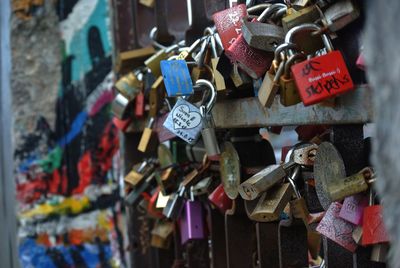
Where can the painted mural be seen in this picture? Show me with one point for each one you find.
(67, 186)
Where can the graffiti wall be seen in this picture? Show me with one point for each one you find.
(67, 155)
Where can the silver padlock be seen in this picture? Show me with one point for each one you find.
(340, 14)
(208, 131)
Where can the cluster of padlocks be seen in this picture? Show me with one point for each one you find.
(283, 55)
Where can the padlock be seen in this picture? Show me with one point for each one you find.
(220, 200)
(357, 183)
(295, 17)
(164, 155)
(219, 80)
(176, 201)
(139, 105)
(270, 85)
(271, 203)
(202, 187)
(134, 197)
(148, 3)
(298, 206)
(146, 136)
(357, 234)
(155, 96)
(153, 63)
(208, 131)
(185, 121)
(353, 208)
(230, 170)
(360, 63)
(136, 174)
(177, 78)
(374, 231)
(251, 60)
(152, 210)
(266, 178)
(121, 124)
(261, 35)
(161, 234)
(321, 77)
(228, 23)
(337, 229)
(340, 14)
(289, 95)
(186, 53)
(128, 60)
(174, 206)
(192, 222)
(379, 252)
(121, 107)
(167, 179)
(163, 133)
(130, 85)
(162, 200)
(239, 79)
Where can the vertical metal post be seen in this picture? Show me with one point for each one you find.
(8, 244)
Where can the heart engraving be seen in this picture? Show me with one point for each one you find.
(183, 118)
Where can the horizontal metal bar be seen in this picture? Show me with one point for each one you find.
(353, 107)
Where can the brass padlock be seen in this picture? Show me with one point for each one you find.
(129, 85)
(153, 63)
(137, 173)
(161, 233)
(289, 94)
(129, 60)
(146, 136)
(271, 204)
(270, 85)
(167, 179)
(148, 3)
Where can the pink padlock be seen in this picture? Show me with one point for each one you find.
(192, 222)
(353, 208)
(360, 63)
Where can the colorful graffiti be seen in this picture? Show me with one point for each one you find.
(68, 171)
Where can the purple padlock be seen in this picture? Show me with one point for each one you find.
(353, 208)
(191, 222)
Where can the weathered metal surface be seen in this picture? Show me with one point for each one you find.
(354, 107)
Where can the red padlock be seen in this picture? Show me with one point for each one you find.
(253, 61)
(219, 199)
(321, 77)
(229, 23)
(139, 105)
(374, 230)
(121, 124)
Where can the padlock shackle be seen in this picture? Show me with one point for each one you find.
(310, 27)
(268, 12)
(213, 95)
(281, 48)
(292, 178)
(290, 61)
(257, 8)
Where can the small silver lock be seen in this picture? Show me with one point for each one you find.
(208, 131)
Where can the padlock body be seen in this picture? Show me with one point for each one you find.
(185, 121)
(174, 206)
(160, 235)
(263, 36)
(177, 79)
(289, 95)
(192, 222)
(129, 86)
(268, 90)
(374, 230)
(304, 15)
(133, 178)
(211, 143)
(353, 208)
(271, 204)
(252, 61)
(145, 139)
(163, 133)
(153, 63)
(218, 78)
(139, 105)
(322, 77)
(337, 229)
(299, 209)
(229, 23)
(349, 186)
(219, 199)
